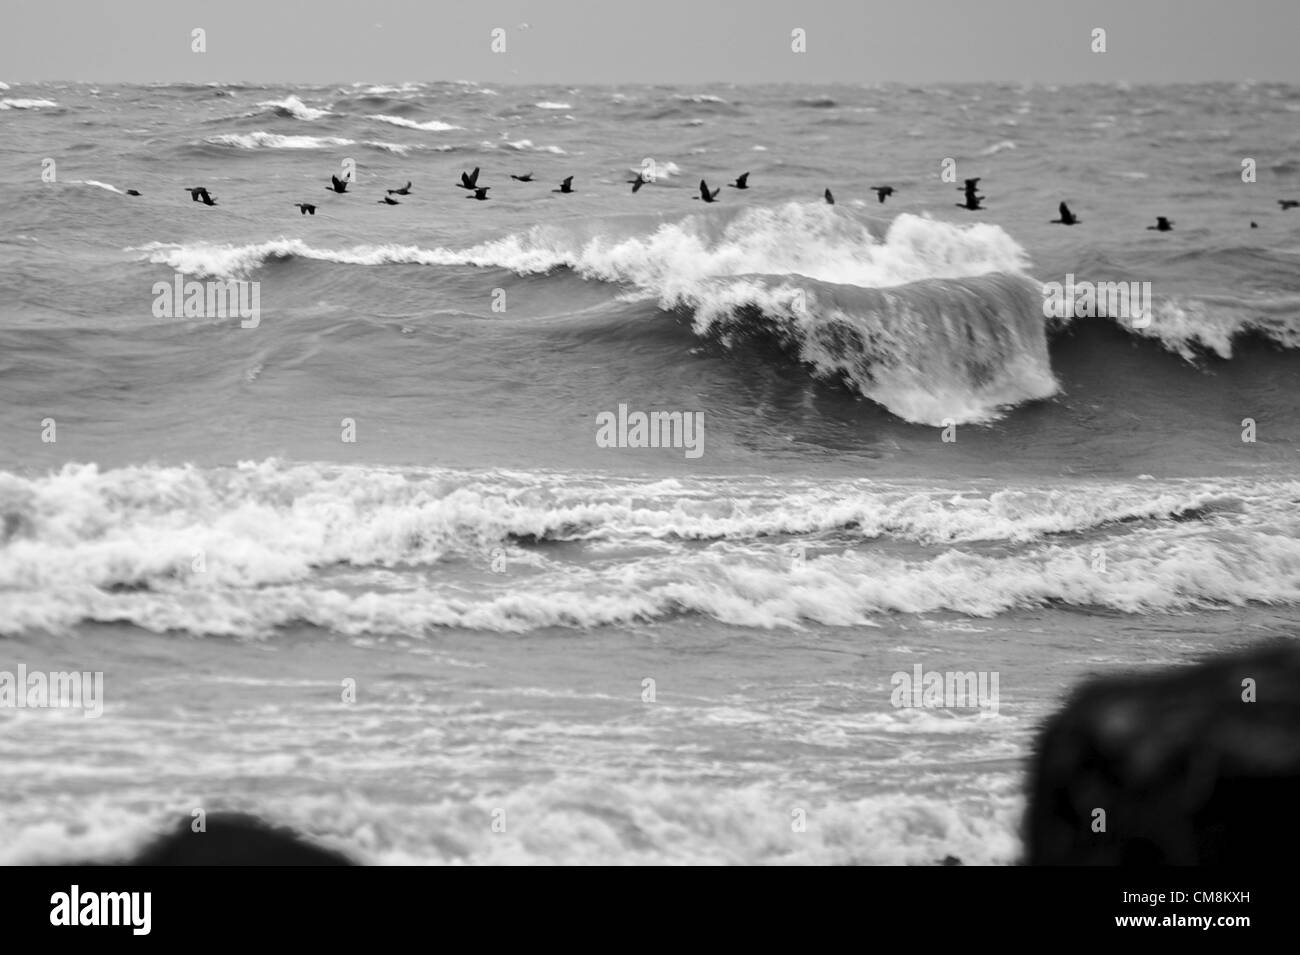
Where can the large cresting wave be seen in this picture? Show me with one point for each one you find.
(937, 322)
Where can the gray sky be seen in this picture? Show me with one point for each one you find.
(650, 41)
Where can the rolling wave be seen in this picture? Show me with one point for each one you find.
(246, 550)
(930, 351)
(934, 321)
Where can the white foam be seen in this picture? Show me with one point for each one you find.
(97, 183)
(121, 545)
(295, 108)
(433, 125)
(996, 148)
(526, 146)
(664, 169)
(1187, 326)
(27, 104)
(264, 140)
(382, 90)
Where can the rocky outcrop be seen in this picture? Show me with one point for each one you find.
(1198, 765)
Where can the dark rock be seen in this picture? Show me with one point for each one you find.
(1186, 771)
(234, 839)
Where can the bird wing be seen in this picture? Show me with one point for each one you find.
(473, 177)
(638, 183)
(1065, 211)
(704, 190)
(568, 181)
(742, 180)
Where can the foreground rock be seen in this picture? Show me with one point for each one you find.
(234, 839)
(1173, 768)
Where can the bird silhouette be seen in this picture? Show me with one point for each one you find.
(883, 192)
(306, 208)
(469, 180)
(480, 193)
(742, 182)
(337, 185)
(404, 191)
(1067, 217)
(706, 195)
(1162, 225)
(830, 200)
(527, 177)
(566, 186)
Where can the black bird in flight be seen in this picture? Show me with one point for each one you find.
(742, 182)
(883, 192)
(306, 208)
(830, 200)
(1288, 203)
(469, 180)
(566, 186)
(480, 193)
(200, 194)
(1067, 217)
(404, 191)
(389, 201)
(528, 177)
(705, 194)
(638, 182)
(1162, 225)
(337, 185)
(971, 185)
(972, 202)
(132, 192)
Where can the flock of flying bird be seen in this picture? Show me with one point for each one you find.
(469, 181)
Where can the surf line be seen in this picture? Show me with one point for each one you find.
(653, 429)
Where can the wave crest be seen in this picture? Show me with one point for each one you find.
(291, 107)
(387, 550)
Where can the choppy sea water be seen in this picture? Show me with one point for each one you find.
(563, 652)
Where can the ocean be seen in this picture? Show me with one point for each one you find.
(364, 563)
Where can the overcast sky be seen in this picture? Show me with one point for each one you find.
(650, 41)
